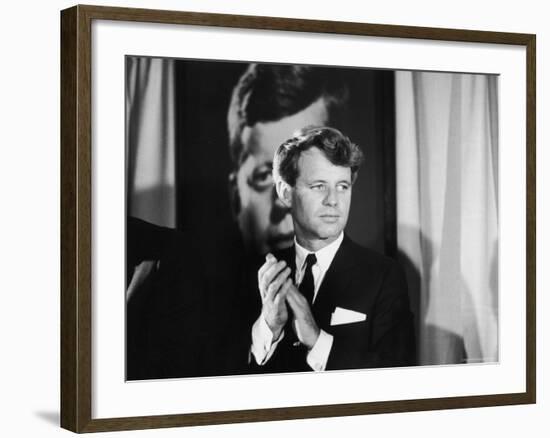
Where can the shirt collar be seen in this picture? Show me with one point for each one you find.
(324, 255)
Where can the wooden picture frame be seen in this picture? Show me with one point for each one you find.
(76, 217)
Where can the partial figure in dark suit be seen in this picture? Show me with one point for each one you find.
(327, 303)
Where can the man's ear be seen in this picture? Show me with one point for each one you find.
(234, 197)
(284, 192)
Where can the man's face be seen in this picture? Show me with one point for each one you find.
(264, 220)
(320, 199)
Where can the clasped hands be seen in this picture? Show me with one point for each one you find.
(278, 291)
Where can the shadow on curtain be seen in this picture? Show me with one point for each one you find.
(447, 211)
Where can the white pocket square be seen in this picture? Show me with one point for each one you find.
(346, 316)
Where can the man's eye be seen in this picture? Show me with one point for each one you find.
(261, 179)
(343, 187)
(318, 186)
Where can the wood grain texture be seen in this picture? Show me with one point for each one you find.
(69, 329)
(531, 95)
(76, 221)
(84, 220)
(299, 25)
(339, 410)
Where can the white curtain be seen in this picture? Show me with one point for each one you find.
(447, 211)
(150, 140)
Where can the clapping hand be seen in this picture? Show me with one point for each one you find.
(274, 283)
(304, 323)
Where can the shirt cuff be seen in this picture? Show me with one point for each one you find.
(317, 357)
(263, 346)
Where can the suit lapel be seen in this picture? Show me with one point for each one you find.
(333, 284)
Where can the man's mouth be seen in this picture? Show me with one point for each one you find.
(331, 218)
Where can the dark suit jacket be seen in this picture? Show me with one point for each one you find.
(362, 281)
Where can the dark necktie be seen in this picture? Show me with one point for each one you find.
(307, 286)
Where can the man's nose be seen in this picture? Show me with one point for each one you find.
(331, 197)
(279, 210)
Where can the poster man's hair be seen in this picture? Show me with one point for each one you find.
(270, 92)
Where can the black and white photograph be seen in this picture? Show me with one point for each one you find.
(289, 218)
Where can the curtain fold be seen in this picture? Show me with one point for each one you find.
(151, 140)
(447, 211)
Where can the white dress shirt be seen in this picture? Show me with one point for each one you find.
(263, 345)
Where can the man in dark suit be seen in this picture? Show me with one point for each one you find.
(327, 303)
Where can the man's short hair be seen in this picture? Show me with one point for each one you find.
(338, 149)
(270, 92)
